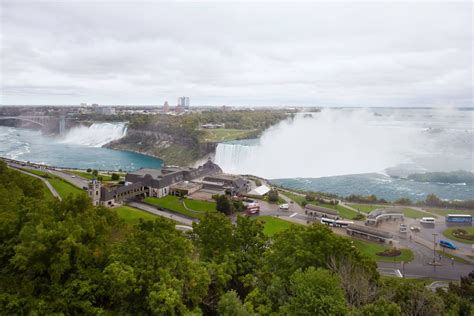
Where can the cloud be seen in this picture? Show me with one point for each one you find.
(239, 53)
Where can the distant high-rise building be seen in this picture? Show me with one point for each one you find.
(183, 103)
(166, 107)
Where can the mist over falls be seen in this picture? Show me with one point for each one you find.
(96, 135)
(353, 141)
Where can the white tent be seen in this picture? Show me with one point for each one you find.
(260, 191)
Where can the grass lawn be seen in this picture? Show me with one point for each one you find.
(449, 234)
(343, 211)
(411, 213)
(173, 203)
(295, 197)
(456, 258)
(63, 187)
(371, 249)
(273, 225)
(366, 208)
(201, 206)
(444, 212)
(132, 215)
(225, 134)
(89, 176)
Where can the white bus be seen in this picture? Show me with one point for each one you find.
(427, 220)
(328, 221)
(341, 223)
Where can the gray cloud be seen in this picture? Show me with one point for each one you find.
(344, 54)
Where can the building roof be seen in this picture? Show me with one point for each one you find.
(261, 190)
(321, 209)
(369, 230)
(391, 210)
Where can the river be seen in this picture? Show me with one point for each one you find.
(79, 148)
(342, 151)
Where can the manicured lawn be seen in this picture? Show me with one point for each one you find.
(225, 134)
(201, 206)
(456, 258)
(132, 215)
(411, 213)
(343, 211)
(366, 208)
(444, 212)
(273, 225)
(89, 176)
(371, 249)
(295, 197)
(63, 187)
(174, 204)
(449, 234)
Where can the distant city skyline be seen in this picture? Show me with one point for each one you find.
(238, 54)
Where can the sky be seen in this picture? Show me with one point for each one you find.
(236, 53)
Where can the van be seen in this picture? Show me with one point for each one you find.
(427, 220)
(447, 244)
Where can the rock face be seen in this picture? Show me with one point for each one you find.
(172, 149)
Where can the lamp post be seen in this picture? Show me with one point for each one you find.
(434, 248)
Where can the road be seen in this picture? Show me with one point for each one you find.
(74, 180)
(446, 271)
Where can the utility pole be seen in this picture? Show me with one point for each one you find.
(434, 248)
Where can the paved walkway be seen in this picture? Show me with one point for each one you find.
(50, 187)
(175, 217)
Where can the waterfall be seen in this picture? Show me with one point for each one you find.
(96, 135)
(233, 157)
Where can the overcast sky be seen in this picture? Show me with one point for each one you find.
(321, 54)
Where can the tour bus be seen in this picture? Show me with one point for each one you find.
(447, 244)
(459, 218)
(335, 223)
(341, 223)
(427, 220)
(328, 221)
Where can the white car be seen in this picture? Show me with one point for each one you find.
(284, 206)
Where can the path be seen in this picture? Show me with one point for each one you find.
(175, 217)
(50, 187)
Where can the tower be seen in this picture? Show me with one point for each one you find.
(166, 107)
(93, 191)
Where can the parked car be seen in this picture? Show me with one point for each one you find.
(414, 228)
(284, 206)
(447, 244)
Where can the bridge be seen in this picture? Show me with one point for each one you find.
(45, 122)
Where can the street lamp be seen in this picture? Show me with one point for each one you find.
(434, 248)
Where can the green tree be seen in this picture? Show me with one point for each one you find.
(224, 205)
(230, 305)
(95, 173)
(380, 307)
(415, 299)
(89, 170)
(433, 200)
(115, 177)
(155, 273)
(273, 196)
(213, 237)
(315, 292)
